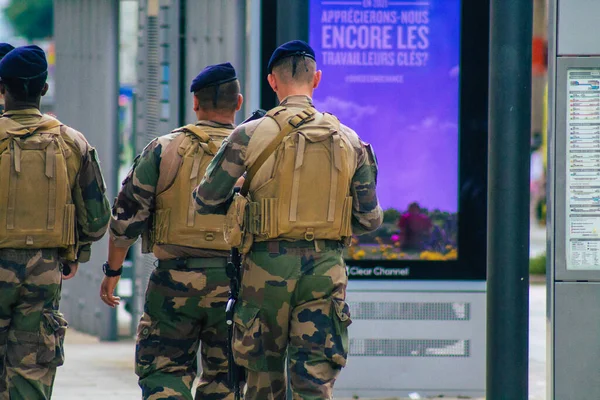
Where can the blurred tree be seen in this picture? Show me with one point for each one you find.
(391, 216)
(32, 19)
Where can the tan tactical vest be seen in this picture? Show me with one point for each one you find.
(184, 162)
(308, 196)
(37, 174)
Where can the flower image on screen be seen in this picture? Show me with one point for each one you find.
(391, 73)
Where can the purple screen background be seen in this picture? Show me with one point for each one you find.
(411, 123)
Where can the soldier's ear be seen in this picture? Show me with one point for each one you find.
(2, 89)
(317, 79)
(272, 82)
(45, 89)
(196, 104)
(240, 101)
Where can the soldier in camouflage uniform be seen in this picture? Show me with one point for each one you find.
(4, 49)
(51, 209)
(187, 292)
(293, 289)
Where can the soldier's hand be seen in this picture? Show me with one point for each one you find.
(71, 271)
(107, 291)
(240, 182)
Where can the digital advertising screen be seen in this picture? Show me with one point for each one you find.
(391, 72)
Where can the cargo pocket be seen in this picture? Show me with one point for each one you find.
(22, 348)
(234, 221)
(146, 348)
(341, 321)
(51, 350)
(248, 350)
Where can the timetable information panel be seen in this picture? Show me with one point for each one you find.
(583, 169)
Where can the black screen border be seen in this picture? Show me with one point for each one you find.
(473, 137)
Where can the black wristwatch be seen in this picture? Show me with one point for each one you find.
(109, 272)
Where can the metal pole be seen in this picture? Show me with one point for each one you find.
(508, 199)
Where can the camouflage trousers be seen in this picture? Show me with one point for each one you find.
(185, 305)
(32, 330)
(292, 303)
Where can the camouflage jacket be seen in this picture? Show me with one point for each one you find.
(134, 206)
(92, 206)
(244, 146)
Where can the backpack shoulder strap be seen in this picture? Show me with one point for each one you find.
(279, 115)
(294, 123)
(333, 120)
(170, 162)
(208, 144)
(6, 125)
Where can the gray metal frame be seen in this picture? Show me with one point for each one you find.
(550, 188)
(169, 57)
(215, 33)
(415, 336)
(86, 34)
(576, 346)
(573, 319)
(578, 20)
(253, 77)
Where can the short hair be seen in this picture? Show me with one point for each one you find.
(222, 97)
(296, 69)
(27, 90)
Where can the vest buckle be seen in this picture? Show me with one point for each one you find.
(309, 235)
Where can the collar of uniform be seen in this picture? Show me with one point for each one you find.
(25, 111)
(297, 101)
(215, 124)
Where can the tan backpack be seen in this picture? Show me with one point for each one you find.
(176, 221)
(308, 196)
(36, 208)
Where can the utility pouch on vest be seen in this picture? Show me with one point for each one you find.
(235, 221)
(36, 209)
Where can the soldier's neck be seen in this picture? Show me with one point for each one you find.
(20, 105)
(288, 91)
(219, 118)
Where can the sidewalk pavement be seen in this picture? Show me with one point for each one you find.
(96, 370)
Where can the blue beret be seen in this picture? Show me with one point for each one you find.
(27, 62)
(293, 48)
(213, 75)
(5, 48)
